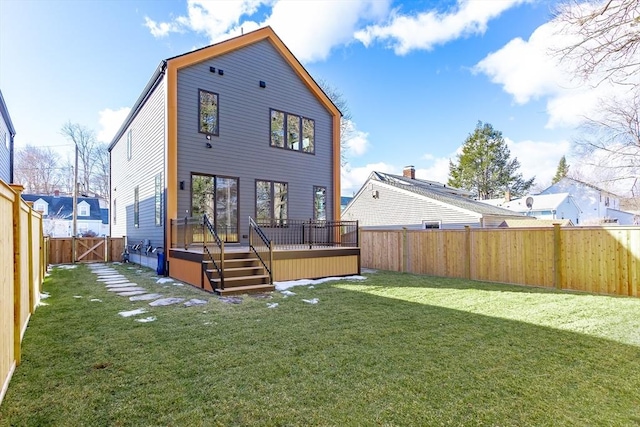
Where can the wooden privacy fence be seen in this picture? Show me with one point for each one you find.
(88, 249)
(22, 268)
(593, 259)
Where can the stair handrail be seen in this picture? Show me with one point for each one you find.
(268, 263)
(208, 229)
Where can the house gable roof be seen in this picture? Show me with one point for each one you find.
(534, 223)
(61, 207)
(5, 115)
(439, 192)
(221, 48)
(540, 202)
(568, 180)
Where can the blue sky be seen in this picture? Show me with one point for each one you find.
(417, 75)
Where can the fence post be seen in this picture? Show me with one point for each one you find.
(557, 257)
(106, 249)
(467, 250)
(32, 296)
(17, 272)
(404, 250)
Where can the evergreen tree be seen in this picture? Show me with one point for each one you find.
(485, 168)
(561, 172)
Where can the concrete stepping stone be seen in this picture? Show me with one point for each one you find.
(195, 301)
(165, 301)
(131, 293)
(121, 285)
(133, 288)
(145, 297)
(113, 277)
(231, 300)
(104, 271)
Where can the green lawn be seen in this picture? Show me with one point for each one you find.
(395, 349)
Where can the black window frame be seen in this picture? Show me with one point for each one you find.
(315, 211)
(217, 127)
(272, 207)
(285, 123)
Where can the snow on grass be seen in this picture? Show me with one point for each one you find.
(65, 266)
(164, 280)
(281, 286)
(44, 295)
(132, 312)
(95, 300)
(146, 319)
(272, 304)
(311, 301)
(77, 296)
(287, 293)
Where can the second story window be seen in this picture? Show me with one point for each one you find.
(292, 132)
(208, 112)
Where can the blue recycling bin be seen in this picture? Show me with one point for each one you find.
(160, 268)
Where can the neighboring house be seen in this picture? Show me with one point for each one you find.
(546, 207)
(234, 130)
(597, 205)
(7, 133)
(393, 201)
(57, 214)
(344, 201)
(533, 223)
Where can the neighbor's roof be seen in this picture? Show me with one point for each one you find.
(62, 206)
(440, 192)
(220, 48)
(533, 223)
(540, 202)
(586, 184)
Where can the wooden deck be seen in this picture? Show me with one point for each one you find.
(290, 263)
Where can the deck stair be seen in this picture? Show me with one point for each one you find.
(243, 274)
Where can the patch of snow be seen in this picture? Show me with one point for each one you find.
(195, 301)
(138, 271)
(65, 267)
(178, 284)
(146, 319)
(145, 297)
(44, 295)
(281, 286)
(272, 304)
(42, 304)
(231, 300)
(311, 301)
(95, 300)
(312, 287)
(77, 296)
(132, 312)
(165, 301)
(164, 280)
(206, 323)
(368, 271)
(287, 293)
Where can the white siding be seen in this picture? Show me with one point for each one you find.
(396, 207)
(147, 160)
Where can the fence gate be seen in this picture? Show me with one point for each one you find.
(88, 249)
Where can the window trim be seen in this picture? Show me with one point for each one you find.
(136, 207)
(285, 130)
(271, 199)
(428, 225)
(315, 190)
(217, 129)
(84, 209)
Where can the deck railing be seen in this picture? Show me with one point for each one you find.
(212, 245)
(188, 231)
(310, 234)
(262, 247)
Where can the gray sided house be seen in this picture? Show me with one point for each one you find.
(394, 201)
(234, 130)
(7, 133)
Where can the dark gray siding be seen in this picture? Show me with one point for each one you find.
(243, 147)
(147, 160)
(5, 162)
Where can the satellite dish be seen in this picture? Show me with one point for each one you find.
(529, 202)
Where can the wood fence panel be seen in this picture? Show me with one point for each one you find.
(603, 260)
(7, 357)
(60, 249)
(35, 277)
(116, 247)
(25, 309)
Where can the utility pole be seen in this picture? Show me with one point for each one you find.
(75, 206)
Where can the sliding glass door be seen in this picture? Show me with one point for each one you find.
(217, 197)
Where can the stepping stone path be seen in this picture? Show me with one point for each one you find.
(119, 284)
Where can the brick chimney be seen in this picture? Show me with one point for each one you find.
(409, 172)
(56, 193)
(507, 196)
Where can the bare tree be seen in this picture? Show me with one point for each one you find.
(85, 142)
(346, 126)
(101, 171)
(606, 38)
(37, 169)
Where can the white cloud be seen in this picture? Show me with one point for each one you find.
(327, 23)
(110, 121)
(358, 142)
(527, 70)
(538, 158)
(438, 171)
(351, 179)
(427, 29)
